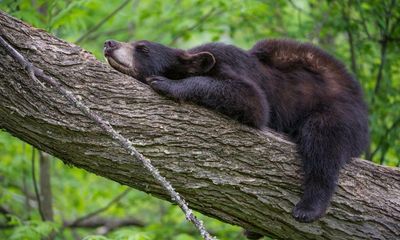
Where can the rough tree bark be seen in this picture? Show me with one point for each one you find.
(225, 170)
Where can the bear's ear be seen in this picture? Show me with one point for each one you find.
(198, 63)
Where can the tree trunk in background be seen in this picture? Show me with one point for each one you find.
(46, 196)
(225, 170)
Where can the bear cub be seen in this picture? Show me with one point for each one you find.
(291, 87)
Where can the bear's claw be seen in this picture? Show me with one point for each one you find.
(305, 213)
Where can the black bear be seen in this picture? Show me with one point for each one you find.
(291, 87)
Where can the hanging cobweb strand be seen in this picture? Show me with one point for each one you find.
(36, 73)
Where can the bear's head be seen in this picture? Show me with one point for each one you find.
(143, 59)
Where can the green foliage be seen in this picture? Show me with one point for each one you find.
(95, 237)
(363, 34)
(32, 230)
(77, 193)
(131, 235)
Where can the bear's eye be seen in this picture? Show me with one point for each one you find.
(142, 48)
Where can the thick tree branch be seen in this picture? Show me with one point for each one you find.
(36, 73)
(226, 170)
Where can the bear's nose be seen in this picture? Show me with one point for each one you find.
(110, 44)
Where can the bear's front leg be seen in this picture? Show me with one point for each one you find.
(163, 86)
(239, 99)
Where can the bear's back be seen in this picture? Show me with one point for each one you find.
(289, 56)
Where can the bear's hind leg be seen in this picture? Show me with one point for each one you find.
(323, 144)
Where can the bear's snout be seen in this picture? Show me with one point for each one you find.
(109, 46)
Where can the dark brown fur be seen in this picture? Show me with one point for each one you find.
(291, 87)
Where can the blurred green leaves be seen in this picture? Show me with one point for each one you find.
(31, 229)
(184, 24)
(77, 193)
